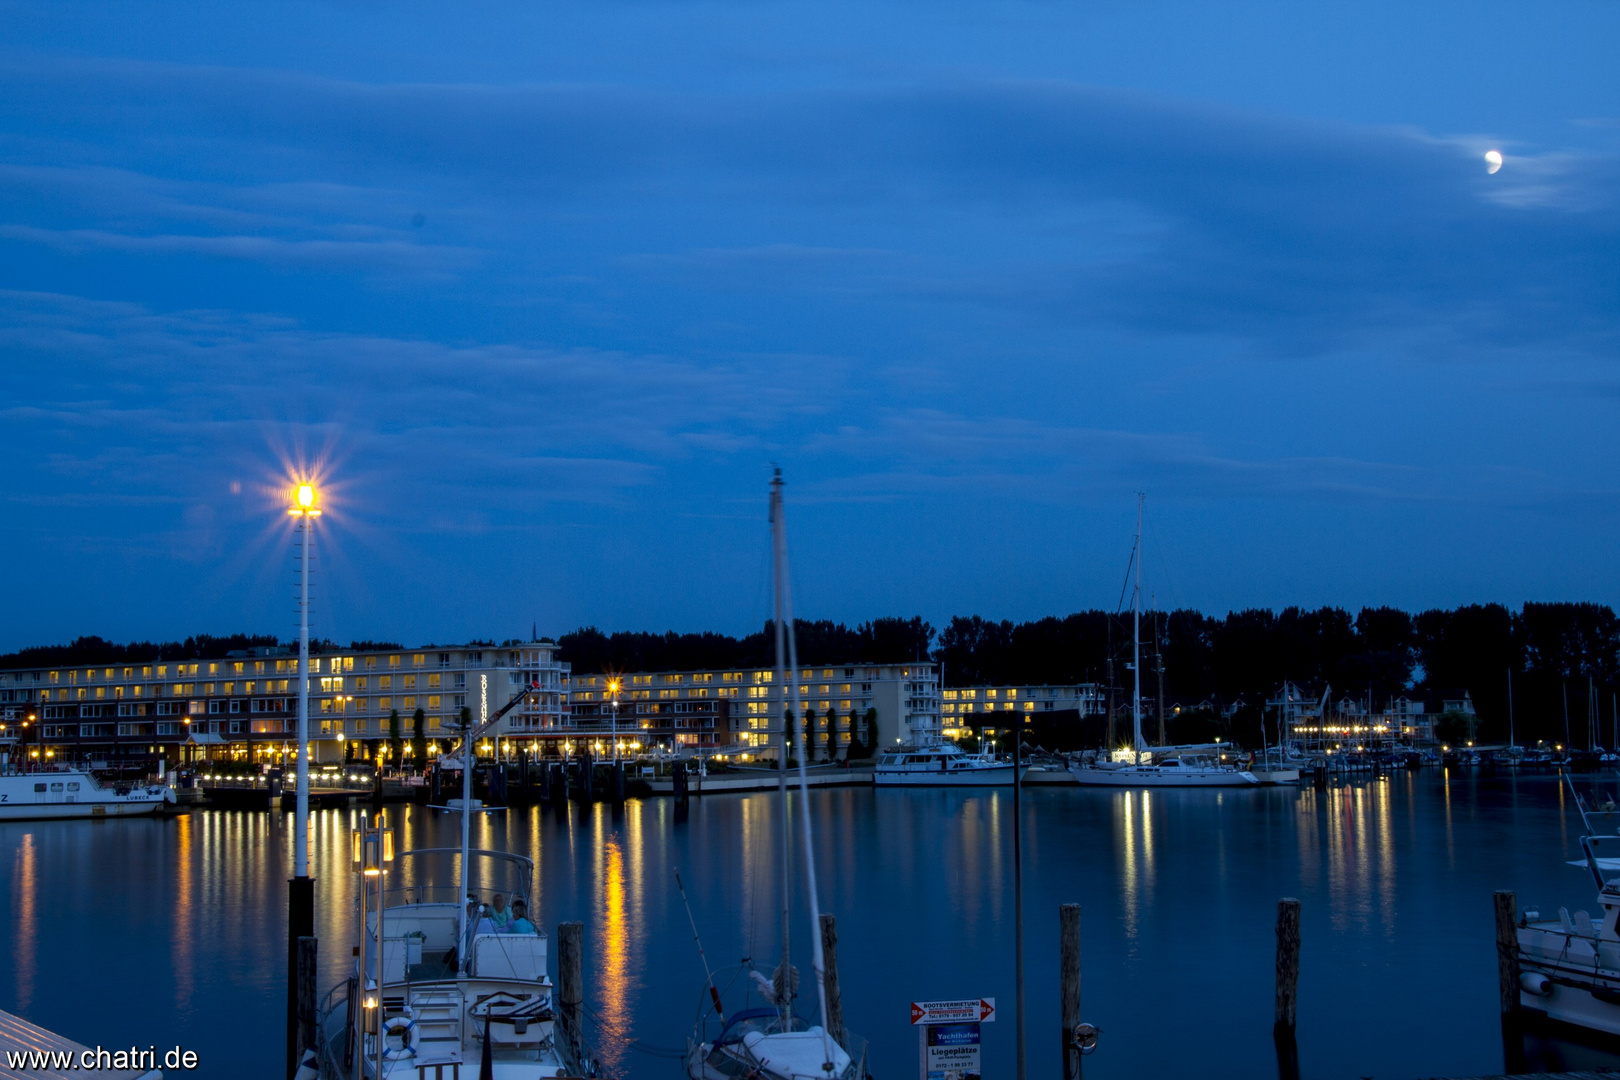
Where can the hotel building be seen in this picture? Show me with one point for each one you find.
(730, 711)
(245, 705)
(967, 707)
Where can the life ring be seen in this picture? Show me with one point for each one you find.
(403, 1026)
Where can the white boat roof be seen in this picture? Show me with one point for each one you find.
(19, 1036)
(797, 1053)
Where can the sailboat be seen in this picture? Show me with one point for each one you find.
(439, 989)
(1159, 766)
(772, 1041)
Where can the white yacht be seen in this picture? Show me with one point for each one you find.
(444, 986)
(74, 793)
(942, 765)
(1569, 967)
(1141, 765)
(1168, 766)
(1275, 766)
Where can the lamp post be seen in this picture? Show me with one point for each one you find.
(301, 889)
(613, 688)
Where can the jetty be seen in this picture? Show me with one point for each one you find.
(738, 778)
(29, 1050)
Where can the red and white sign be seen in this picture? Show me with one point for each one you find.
(973, 1010)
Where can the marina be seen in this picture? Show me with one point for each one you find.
(1376, 863)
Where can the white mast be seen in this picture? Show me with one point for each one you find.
(784, 627)
(466, 813)
(1136, 637)
(784, 997)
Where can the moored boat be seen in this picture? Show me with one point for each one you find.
(941, 765)
(1569, 967)
(1169, 766)
(74, 793)
(449, 980)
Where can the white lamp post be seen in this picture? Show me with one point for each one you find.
(301, 890)
(305, 507)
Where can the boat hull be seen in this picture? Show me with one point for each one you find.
(69, 794)
(991, 776)
(1582, 977)
(1149, 777)
(1276, 776)
(94, 811)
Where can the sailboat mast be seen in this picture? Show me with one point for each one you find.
(1511, 741)
(784, 1001)
(1136, 638)
(466, 838)
(784, 624)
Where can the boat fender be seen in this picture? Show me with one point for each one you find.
(1534, 982)
(402, 1026)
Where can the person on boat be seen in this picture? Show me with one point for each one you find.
(497, 912)
(520, 923)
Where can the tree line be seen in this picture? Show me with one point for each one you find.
(1547, 650)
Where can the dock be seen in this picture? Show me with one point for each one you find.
(734, 780)
(29, 1050)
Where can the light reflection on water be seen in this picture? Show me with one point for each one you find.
(171, 931)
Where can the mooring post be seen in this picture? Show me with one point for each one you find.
(1287, 965)
(829, 959)
(618, 781)
(1507, 952)
(1069, 973)
(306, 995)
(1282, 1028)
(571, 984)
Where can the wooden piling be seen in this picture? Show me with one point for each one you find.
(829, 961)
(1287, 965)
(1507, 952)
(1069, 973)
(307, 1039)
(571, 984)
(1282, 1028)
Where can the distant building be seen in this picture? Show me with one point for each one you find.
(730, 711)
(245, 706)
(1407, 718)
(966, 707)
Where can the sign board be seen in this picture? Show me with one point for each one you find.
(973, 1010)
(951, 1052)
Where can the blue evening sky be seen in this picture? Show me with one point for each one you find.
(543, 289)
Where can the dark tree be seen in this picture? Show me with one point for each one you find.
(419, 738)
(396, 745)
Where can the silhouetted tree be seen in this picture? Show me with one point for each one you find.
(419, 738)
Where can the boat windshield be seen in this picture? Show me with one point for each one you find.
(763, 1020)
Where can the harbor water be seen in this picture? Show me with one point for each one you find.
(171, 932)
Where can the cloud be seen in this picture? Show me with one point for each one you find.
(1075, 204)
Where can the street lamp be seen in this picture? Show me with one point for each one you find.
(613, 688)
(301, 890)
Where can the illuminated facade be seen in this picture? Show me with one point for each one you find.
(1407, 718)
(245, 705)
(730, 711)
(967, 707)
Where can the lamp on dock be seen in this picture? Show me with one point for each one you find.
(301, 889)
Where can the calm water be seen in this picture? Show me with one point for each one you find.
(171, 932)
